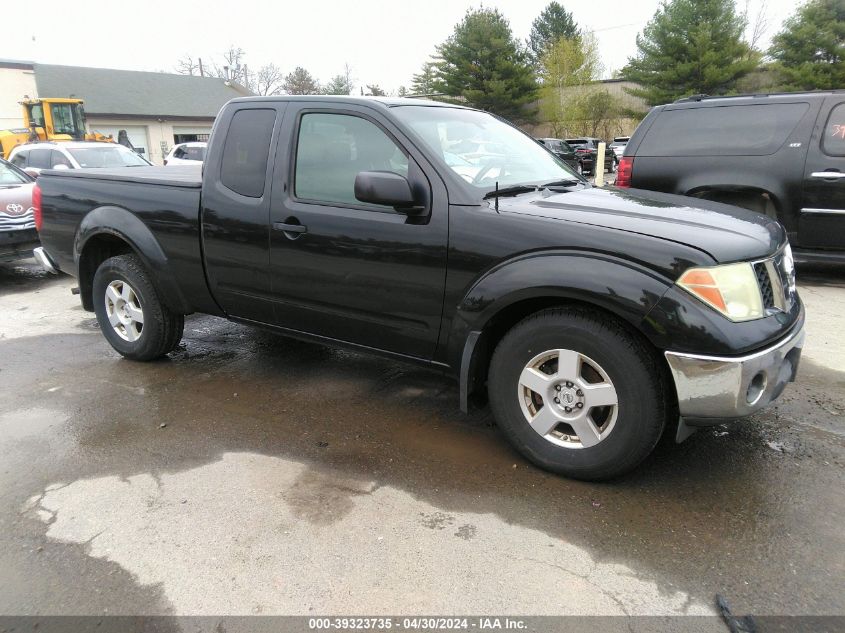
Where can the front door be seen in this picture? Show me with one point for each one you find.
(345, 270)
(822, 221)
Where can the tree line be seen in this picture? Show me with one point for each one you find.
(270, 79)
(688, 47)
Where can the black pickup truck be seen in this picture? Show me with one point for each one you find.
(592, 318)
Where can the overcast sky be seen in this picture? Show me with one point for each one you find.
(384, 41)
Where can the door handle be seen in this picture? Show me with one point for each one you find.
(827, 174)
(290, 228)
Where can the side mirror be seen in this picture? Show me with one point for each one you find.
(60, 166)
(33, 171)
(387, 188)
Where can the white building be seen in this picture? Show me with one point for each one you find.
(157, 110)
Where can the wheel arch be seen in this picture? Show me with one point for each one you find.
(616, 289)
(109, 231)
(727, 193)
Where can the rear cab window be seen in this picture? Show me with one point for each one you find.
(247, 151)
(730, 130)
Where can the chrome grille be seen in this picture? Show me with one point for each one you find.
(765, 283)
(776, 280)
(11, 223)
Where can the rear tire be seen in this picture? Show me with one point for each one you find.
(612, 366)
(130, 312)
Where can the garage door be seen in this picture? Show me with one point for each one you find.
(137, 135)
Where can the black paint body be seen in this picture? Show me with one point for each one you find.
(416, 286)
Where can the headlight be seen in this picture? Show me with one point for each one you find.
(731, 289)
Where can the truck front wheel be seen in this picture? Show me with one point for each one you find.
(577, 394)
(131, 315)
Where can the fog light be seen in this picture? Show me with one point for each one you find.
(756, 388)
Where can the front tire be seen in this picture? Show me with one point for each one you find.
(576, 394)
(130, 312)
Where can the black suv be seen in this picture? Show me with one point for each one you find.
(562, 150)
(587, 149)
(778, 154)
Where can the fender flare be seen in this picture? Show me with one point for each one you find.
(618, 286)
(126, 226)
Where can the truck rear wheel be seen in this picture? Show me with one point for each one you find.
(131, 315)
(577, 394)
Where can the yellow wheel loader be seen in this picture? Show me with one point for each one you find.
(49, 120)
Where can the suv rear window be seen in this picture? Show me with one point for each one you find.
(739, 130)
(834, 132)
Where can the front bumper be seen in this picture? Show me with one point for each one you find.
(17, 244)
(714, 388)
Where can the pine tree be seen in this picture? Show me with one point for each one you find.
(301, 82)
(690, 47)
(425, 81)
(553, 23)
(809, 52)
(483, 64)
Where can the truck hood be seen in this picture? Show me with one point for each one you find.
(724, 232)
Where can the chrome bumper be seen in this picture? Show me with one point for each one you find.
(714, 388)
(43, 258)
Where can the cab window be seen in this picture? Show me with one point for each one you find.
(246, 152)
(333, 148)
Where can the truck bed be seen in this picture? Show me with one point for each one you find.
(188, 176)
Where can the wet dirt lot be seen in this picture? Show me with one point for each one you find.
(252, 474)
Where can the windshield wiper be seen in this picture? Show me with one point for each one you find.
(515, 190)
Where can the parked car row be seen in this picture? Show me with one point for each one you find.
(581, 153)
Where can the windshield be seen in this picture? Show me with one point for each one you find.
(482, 149)
(11, 176)
(106, 156)
(66, 120)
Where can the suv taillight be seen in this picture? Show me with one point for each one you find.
(36, 207)
(624, 171)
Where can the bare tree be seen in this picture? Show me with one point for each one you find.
(760, 24)
(233, 67)
(187, 65)
(269, 80)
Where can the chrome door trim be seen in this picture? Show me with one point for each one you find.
(825, 211)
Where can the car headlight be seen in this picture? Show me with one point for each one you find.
(731, 289)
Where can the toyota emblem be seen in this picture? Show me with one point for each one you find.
(15, 209)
